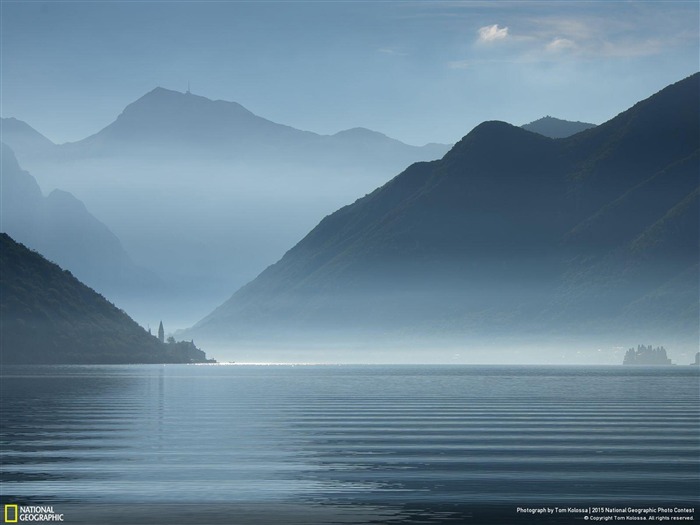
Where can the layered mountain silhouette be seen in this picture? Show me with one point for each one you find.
(206, 193)
(60, 227)
(24, 139)
(48, 317)
(185, 124)
(556, 128)
(510, 232)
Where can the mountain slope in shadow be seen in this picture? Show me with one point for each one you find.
(49, 317)
(510, 232)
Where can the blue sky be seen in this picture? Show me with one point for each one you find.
(418, 71)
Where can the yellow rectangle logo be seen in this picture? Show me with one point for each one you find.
(11, 513)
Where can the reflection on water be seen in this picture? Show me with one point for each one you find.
(346, 444)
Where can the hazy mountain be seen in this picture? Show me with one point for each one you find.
(556, 128)
(24, 139)
(184, 124)
(511, 232)
(363, 143)
(48, 316)
(60, 227)
(168, 119)
(206, 192)
(188, 125)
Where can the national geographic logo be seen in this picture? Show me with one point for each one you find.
(33, 513)
(11, 513)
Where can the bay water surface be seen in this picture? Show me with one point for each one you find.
(351, 444)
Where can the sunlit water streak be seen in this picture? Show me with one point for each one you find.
(393, 444)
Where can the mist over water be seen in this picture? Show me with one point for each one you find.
(375, 349)
(205, 223)
(296, 235)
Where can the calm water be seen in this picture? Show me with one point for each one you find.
(347, 444)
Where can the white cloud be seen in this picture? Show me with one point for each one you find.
(579, 35)
(595, 37)
(560, 44)
(492, 33)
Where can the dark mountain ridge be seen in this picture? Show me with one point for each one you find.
(510, 231)
(649, 137)
(48, 316)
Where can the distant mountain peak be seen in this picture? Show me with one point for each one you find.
(23, 138)
(160, 92)
(360, 133)
(489, 126)
(185, 124)
(176, 100)
(163, 115)
(556, 128)
(492, 132)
